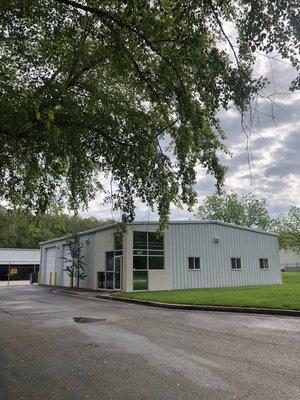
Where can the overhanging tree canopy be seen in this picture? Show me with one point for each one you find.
(103, 86)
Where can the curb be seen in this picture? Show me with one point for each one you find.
(189, 307)
(245, 310)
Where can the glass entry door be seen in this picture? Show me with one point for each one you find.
(111, 278)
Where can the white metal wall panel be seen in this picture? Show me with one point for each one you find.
(49, 263)
(66, 280)
(182, 240)
(60, 250)
(103, 242)
(20, 256)
(88, 250)
(197, 240)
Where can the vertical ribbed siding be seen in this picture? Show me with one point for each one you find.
(88, 251)
(197, 240)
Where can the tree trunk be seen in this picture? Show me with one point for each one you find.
(78, 277)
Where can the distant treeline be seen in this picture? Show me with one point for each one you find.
(21, 229)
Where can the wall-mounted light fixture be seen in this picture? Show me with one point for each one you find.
(216, 239)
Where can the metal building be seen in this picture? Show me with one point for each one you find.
(18, 264)
(190, 254)
(289, 260)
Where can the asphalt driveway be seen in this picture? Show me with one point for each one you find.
(135, 352)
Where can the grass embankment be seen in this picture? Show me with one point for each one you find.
(285, 296)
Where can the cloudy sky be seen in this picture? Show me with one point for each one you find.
(274, 146)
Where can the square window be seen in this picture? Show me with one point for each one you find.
(155, 242)
(139, 262)
(156, 262)
(264, 263)
(148, 251)
(194, 263)
(139, 240)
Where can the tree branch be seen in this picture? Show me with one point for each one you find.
(108, 15)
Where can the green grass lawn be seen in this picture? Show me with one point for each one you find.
(285, 296)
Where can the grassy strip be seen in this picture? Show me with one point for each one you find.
(285, 296)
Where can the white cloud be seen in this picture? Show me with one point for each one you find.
(275, 146)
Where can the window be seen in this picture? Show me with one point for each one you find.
(118, 242)
(263, 263)
(236, 263)
(194, 262)
(140, 240)
(148, 251)
(109, 261)
(140, 280)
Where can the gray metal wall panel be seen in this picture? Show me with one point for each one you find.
(88, 252)
(192, 240)
(20, 256)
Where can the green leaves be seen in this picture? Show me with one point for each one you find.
(21, 229)
(131, 89)
(249, 210)
(288, 230)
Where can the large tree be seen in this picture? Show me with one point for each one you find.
(288, 229)
(127, 88)
(20, 228)
(248, 210)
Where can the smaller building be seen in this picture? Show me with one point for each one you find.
(18, 264)
(190, 254)
(289, 260)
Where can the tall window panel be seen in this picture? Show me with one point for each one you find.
(148, 251)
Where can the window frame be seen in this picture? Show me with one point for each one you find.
(236, 264)
(194, 263)
(265, 261)
(148, 252)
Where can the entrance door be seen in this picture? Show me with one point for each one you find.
(112, 277)
(118, 271)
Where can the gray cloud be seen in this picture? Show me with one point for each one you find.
(274, 150)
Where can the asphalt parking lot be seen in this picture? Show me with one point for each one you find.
(135, 352)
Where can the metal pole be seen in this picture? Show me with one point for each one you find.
(8, 275)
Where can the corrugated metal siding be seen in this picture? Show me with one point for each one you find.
(65, 278)
(88, 251)
(59, 247)
(192, 240)
(49, 263)
(20, 256)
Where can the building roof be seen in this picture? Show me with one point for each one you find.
(19, 256)
(179, 222)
